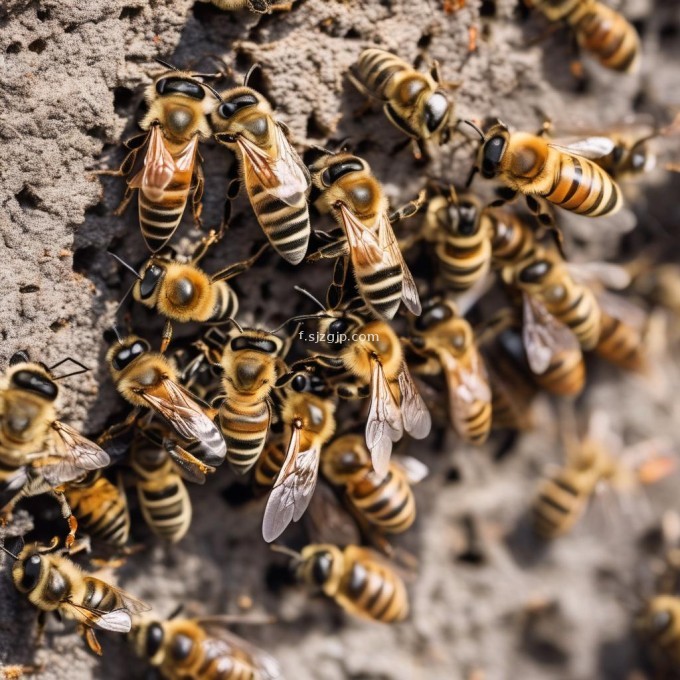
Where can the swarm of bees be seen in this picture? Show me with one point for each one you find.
(397, 353)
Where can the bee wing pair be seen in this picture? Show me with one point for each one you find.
(466, 387)
(544, 336)
(221, 642)
(69, 455)
(160, 166)
(178, 407)
(293, 488)
(283, 176)
(380, 250)
(387, 418)
(591, 148)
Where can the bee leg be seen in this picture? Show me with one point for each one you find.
(129, 160)
(204, 245)
(167, 336)
(370, 96)
(91, 640)
(410, 209)
(239, 267)
(282, 6)
(339, 248)
(197, 196)
(119, 428)
(437, 77)
(68, 516)
(505, 195)
(335, 292)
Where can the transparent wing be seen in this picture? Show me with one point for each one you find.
(326, 521)
(609, 275)
(117, 621)
(416, 417)
(71, 454)
(283, 176)
(384, 424)
(364, 246)
(186, 416)
(267, 666)
(414, 469)
(189, 467)
(590, 147)
(622, 309)
(292, 490)
(544, 336)
(159, 166)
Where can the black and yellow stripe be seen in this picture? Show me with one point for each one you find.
(463, 259)
(566, 374)
(244, 426)
(559, 504)
(381, 289)
(475, 426)
(226, 303)
(269, 465)
(376, 68)
(621, 344)
(512, 240)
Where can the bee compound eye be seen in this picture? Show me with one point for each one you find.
(321, 568)
(181, 648)
(300, 382)
(436, 111)
(154, 639)
(32, 569)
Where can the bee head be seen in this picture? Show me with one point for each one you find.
(436, 112)
(535, 272)
(126, 351)
(492, 153)
(32, 379)
(435, 312)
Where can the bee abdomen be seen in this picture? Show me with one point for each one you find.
(159, 219)
(245, 429)
(583, 187)
(382, 289)
(286, 226)
(166, 510)
(620, 344)
(582, 314)
(462, 265)
(269, 465)
(226, 303)
(374, 590)
(565, 375)
(475, 426)
(388, 505)
(376, 68)
(558, 505)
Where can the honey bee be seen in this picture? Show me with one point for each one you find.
(540, 169)
(357, 202)
(659, 625)
(308, 417)
(162, 165)
(447, 341)
(163, 497)
(257, 6)
(53, 583)
(388, 503)
(251, 363)
(621, 344)
(101, 508)
(39, 453)
(600, 30)
(269, 464)
(147, 380)
(370, 362)
(358, 579)
(200, 648)
(548, 283)
(276, 179)
(414, 102)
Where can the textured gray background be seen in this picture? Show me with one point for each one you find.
(71, 74)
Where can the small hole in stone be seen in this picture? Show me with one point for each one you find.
(58, 325)
(99, 210)
(38, 46)
(315, 130)
(83, 258)
(122, 97)
(130, 12)
(352, 34)
(453, 475)
(668, 34)
(97, 131)
(30, 288)
(13, 48)
(43, 14)
(488, 8)
(27, 198)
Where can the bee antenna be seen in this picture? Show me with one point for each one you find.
(299, 289)
(127, 266)
(250, 72)
(166, 64)
(474, 126)
(115, 332)
(214, 92)
(286, 551)
(11, 554)
(176, 611)
(236, 323)
(471, 176)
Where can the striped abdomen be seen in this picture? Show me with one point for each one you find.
(217, 664)
(269, 465)
(100, 596)
(371, 589)
(245, 428)
(226, 303)
(607, 35)
(380, 288)
(376, 68)
(472, 422)
(387, 504)
(163, 496)
(581, 186)
(511, 240)
(463, 260)
(561, 502)
(578, 310)
(102, 510)
(566, 374)
(160, 217)
(620, 344)
(286, 226)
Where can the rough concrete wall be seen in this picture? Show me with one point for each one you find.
(70, 81)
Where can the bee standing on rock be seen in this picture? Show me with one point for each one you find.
(275, 177)
(163, 163)
(53, 583)
(38, 453)
(257, 6)
(600, 30)
(414, 102)
(356, 200)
